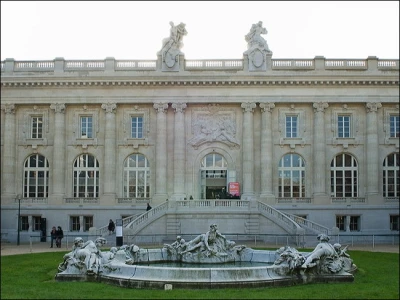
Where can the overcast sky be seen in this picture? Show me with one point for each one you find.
(134, 30)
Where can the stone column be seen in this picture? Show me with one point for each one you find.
(9, 154)
(372, 152)
(248, 151)
(319, 159)
(109, 151)
(179, 151)
(266, 152)
(161, 152)
(58, 166)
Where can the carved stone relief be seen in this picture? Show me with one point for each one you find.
(213, 125)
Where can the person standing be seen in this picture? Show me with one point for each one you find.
(148, 207)
(59, 236)
(111, 227)
(53, 234)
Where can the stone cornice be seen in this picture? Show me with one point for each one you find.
(186, 83)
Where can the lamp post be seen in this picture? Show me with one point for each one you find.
(19, 217)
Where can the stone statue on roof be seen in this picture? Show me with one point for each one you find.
(171, 46)
(255, 40)
(257, 48)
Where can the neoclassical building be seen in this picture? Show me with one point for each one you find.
(85, 141)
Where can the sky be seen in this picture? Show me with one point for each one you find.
(44, 30)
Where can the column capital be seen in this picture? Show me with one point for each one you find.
(160, 107)
(373, 107)
(179, 107)
(58, 107)
(267, 107)
(109, 107)
(248, 106)
(320, 106)
(8, 108)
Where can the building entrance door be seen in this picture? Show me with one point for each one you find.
(215, 192)
(213, 177)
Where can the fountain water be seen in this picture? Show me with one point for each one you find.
(211, 261)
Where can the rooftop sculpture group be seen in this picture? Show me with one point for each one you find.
(131, 265)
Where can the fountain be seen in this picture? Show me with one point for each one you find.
(208, 261)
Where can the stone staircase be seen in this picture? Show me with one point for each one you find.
(252, 226)
(173, 226)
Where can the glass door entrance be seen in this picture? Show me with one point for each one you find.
(215, 192)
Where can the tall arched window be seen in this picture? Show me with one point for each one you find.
(391, 175)
(86, 176)
(36, 176)
(136, 177)
(344, 176)
(213, 170)
(292, 176)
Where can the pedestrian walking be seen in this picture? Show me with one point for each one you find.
(111, 227)
(53, 235)
(59, 236)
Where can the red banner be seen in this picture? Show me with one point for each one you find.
(234, 188)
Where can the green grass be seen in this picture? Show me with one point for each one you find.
(31, 276)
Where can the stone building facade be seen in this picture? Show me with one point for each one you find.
(86, 141)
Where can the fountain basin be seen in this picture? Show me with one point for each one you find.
(253, 268)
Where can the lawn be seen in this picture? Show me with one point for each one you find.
(31, 276)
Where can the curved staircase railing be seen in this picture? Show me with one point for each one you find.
(144, 218)
(280, 218)
(310, 225)
(290, 223)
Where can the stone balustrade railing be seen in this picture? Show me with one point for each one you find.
(59, 65)
(309, 224)
(344, 200)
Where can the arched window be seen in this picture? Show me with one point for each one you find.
(292, 176)
(213, 170)
(36, 176)
(344, 176)
(136, 177)
(86, 176)
(391, 175)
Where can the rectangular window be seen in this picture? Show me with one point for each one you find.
(394, 126)
(394, 222)
(36, 223)
(87, 127)
(24, 223)
(340, 223)
(74, 223)
(37, 127)
(88, 222)
(291, 126)
(137, 127)
(344, 126)
(354, 223)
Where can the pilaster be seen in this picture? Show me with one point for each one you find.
(109, 151)
(372, 149)
(248, 151)
(161, 152)
(59, 159)
(319, 172)
(266, 153)
(9, 155)
(179, 151)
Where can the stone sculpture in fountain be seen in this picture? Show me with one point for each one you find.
(223, 264)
